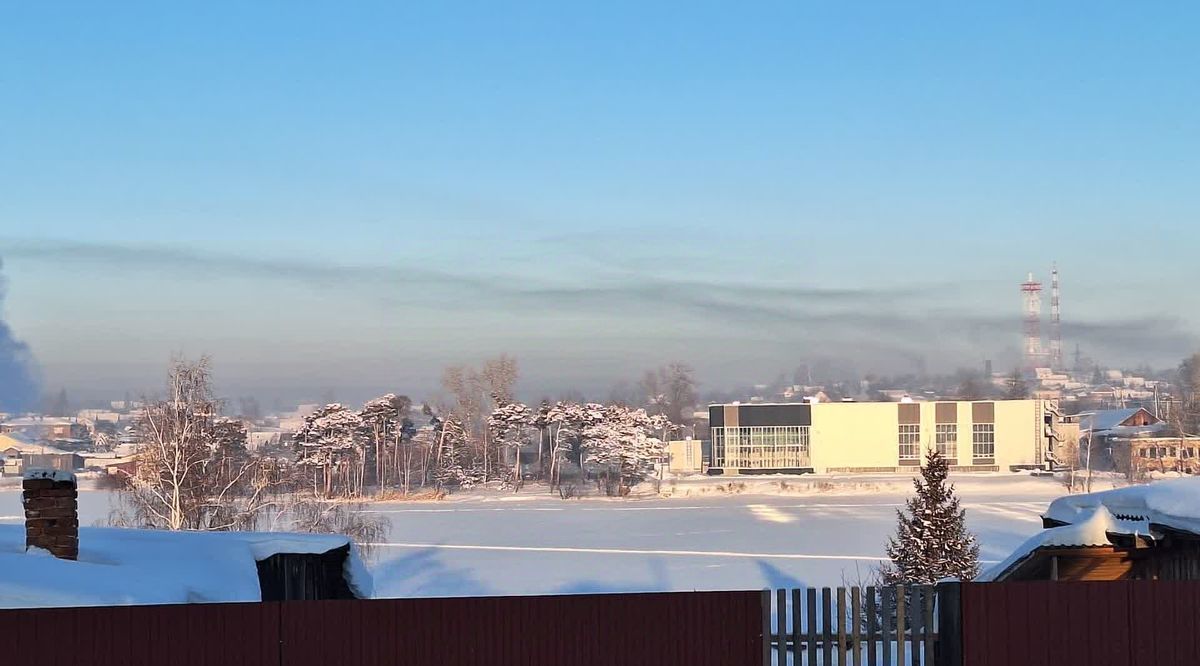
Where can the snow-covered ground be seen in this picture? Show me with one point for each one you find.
(778, 532)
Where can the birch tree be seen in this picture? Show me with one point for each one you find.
(193, 471)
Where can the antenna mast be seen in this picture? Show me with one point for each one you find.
(1031, 293)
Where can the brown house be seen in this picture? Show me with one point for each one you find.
(1149, 532)
(1162, 454)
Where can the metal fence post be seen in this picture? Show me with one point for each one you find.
(781, 627)
(766, 627)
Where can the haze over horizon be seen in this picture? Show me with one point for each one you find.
(324, 197)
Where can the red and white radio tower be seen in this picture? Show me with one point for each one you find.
(1056, 348)
(1031, 291)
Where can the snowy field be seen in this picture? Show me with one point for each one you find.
(794, 532)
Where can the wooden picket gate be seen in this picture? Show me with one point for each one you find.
(861, 626)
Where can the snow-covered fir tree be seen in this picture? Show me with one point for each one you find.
(932, 541)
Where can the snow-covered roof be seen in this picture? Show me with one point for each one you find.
(1096, 527)
(1173, 503)
(35, 421)
(1092, 519)
(131, 566)
(1108, 419)
(12, 440)
(1133, 432)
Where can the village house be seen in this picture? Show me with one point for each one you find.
(46, 427)
(1133, 442)
(1147, 532)
(18, 453)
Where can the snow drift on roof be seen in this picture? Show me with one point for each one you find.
(1174, 504)
(1089, 519)
(128, 566)
(13, 440)
(1093, 529)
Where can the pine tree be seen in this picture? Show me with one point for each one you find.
(508, 423)
(330, 441)
(452, 455)
(932, 541)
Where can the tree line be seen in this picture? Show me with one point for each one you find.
(480, 433)
(194, 469)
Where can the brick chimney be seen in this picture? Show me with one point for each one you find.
(51, 502)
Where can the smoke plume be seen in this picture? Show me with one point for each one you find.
(18, 384)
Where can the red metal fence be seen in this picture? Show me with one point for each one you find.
(1127, 623)
(696, 629)
(182, 635)
(1116, 623)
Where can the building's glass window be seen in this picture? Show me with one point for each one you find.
(910, 442)
(761, 447)
(946, 440)
(983, 441)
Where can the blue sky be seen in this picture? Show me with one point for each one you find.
(342, 197)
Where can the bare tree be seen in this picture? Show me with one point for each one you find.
(249, 409)
(1067, 458)
(499, 376)
(670, 391)
(305, 513)
(1185, 417)
(495, 379)
(467, 406)
(193, 471)
(474, 394)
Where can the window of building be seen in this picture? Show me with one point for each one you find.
(910, 442)
(946, 439)
(761, 447)
(983, 441)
